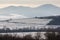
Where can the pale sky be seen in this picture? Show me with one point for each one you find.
(29, 3)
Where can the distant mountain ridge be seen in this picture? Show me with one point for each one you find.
(43, 10)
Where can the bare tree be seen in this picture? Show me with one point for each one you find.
(38, 36)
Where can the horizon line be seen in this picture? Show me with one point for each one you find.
(23, 5)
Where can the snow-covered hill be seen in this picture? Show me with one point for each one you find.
(24, 23)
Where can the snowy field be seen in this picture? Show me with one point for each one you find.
(24, 23)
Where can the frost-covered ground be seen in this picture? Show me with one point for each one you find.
(23, 23)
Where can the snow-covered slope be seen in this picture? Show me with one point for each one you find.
(24, 23)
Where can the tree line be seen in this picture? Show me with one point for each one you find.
(48, 36)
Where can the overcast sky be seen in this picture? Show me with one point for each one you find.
(30, 3)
